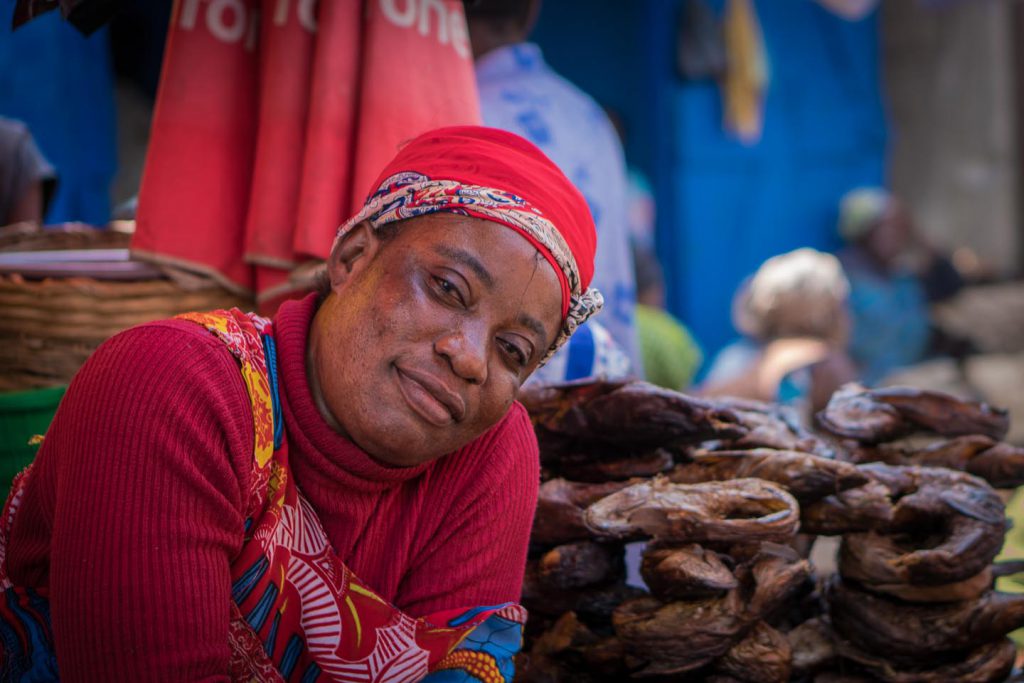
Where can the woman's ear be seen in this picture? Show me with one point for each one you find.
(351, 252)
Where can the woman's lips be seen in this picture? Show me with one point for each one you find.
(430, 398)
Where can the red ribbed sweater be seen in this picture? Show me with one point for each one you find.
(135, 508)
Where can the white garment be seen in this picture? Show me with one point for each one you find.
(590, 353)
(520, 93)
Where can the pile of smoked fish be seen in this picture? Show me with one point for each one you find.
(724, 499)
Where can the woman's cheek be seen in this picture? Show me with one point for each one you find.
(503, 398)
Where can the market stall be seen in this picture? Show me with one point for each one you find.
(729, 496)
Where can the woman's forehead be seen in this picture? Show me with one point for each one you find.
(462, 238)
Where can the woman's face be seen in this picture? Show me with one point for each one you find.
(426, 337)
(891, 236)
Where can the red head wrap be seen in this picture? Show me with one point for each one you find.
(500, 177)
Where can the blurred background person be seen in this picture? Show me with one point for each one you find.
(27, 179)
(670, 355)
(520, 93)
(793, 315)
(60, 83)
(894, 276)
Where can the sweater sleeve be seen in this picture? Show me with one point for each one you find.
(478, 555)
(150, 450)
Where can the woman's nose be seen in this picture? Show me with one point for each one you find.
(466, 353)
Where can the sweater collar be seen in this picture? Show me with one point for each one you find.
(319, 455)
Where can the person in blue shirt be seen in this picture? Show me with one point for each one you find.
(894, 276)
(520, 93)
(26, 178)
(60, 84)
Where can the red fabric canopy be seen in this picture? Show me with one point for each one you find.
(497, 159)
(195, 187)
(262, 128)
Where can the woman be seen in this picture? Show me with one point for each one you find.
(793, 315)
(186, 520)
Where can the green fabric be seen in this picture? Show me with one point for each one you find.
(1013, 549)
(670, 355)
(23, 414)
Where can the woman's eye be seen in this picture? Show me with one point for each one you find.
(517, 353)
(448, 289)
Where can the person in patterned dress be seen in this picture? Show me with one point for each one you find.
(342, 493)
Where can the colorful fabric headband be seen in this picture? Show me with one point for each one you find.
(409, 194)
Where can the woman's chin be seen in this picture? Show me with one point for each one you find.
(399, 445)
(403, 458)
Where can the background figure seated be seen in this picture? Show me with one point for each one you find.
(670, 354)
(27, 179)
(894, 276)
(793, 316)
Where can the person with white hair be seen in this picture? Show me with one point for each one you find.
(793, 315)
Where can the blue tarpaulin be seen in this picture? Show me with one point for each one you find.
(61, 84)
(725, 207)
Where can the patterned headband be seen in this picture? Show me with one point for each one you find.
(410, 194)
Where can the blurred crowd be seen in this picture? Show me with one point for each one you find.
(806, 321)
(812, 321)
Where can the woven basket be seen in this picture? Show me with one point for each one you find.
(30, 237)
(48, 328)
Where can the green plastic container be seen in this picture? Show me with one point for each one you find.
(23, 414)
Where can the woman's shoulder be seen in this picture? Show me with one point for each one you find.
(179, 359)
(175, 350)
(172, 403)
(166, 328)
(166, 370)
(173, 357)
